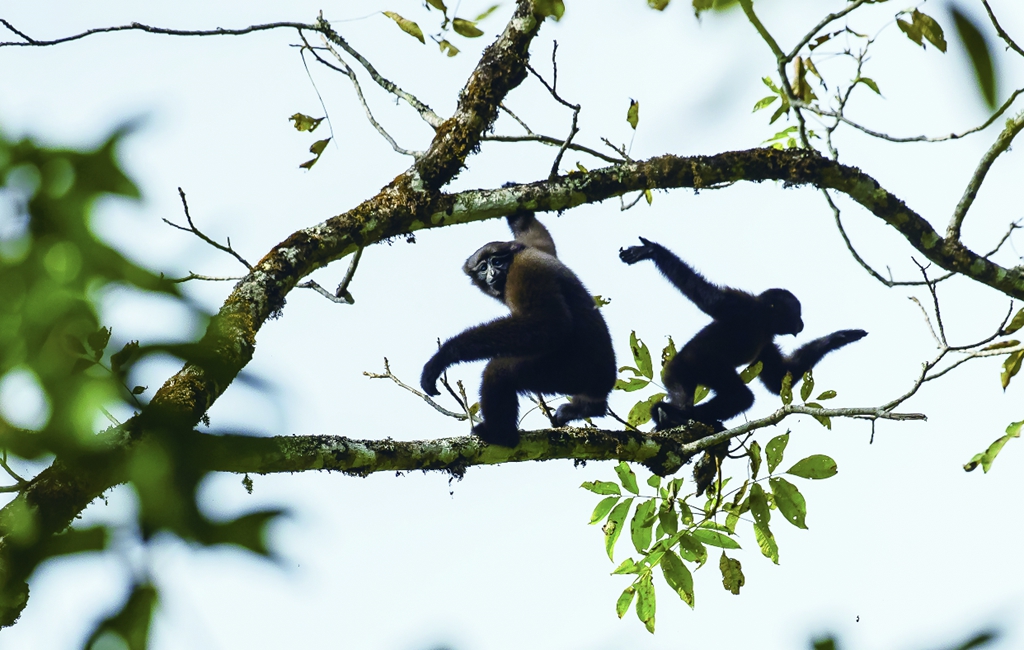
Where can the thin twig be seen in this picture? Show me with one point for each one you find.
(820, 26)
(207, 278)
(553, 90)
(348, 72)
(999, 29)
(516, 118)
(388, 375)
(545, 139)
(425, 112)
(195, 231)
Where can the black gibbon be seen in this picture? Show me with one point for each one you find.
(742, 332)
(554, 340)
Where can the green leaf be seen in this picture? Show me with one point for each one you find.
(755, 459)
(438, 4)
(825, 420)
(930, 29)
(74, 344)
(627, 567)
(303, 122)
(138, 390)
(466, 28)
(766, 542)
(634, 383)
(248, 531)
(1011, 366)
(120, 360)
(678, 577)
(986, 458)
(406, 25)
(817, 466)
(601, 301)
(912, 30)
(98, 341)
(685, 514)
(829, 394)
(787, 389)
(789, 501)
(806, 386)
(759, 505)
(645, 604)
(667, 354)
(751, 372)
(692, 550)
(981, 59)
(870, 83)
(1016, 323)
(601, 487)
(654, 481)
(700, 393)
(641, 355)
(732, 574)
(764, 102)
(633, 113)
(658, 4)
(668, 518)
(648, 196)
(775, 449)
(604, 506)
(641, 412)
(624, 601)
(447, 48)
(613, 527)
(627, 477)
(81, 365)
(714, 538)
(317, 149)
(553, 8)
(640, 527)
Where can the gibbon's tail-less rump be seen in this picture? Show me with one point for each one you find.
(554, 340)
(742, 332)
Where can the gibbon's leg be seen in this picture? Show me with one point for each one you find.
(499, 402)
(732, 397)
(580, 407)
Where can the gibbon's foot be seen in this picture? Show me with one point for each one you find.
(667, 415)
(579, 408)
(634, 254)
(497, 435)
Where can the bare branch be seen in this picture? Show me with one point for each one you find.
(999, 29)
(347, 71)
(553, 90)
(1002, 143)
(425, 112)
(820, 26)
(207, 278)
(195, 231)
(544, 139)
(139, 27)
(426, 398)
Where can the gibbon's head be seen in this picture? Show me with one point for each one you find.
(783, 311)
(488, 267)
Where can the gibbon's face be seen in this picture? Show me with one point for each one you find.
(488, 267)
(783, 311)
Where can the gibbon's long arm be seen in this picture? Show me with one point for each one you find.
(775, 365)
(527, 230)
(715, 301)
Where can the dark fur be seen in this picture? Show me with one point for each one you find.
(743, 331)
(554, 340)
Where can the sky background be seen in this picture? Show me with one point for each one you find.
(904, 550)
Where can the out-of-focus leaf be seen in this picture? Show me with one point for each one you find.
(1011, 366)
(248, 531)
(132, 622)
(552, 8)
(981, 58)
(447, 48)
(466, 28)
(1016, 323)
(438, 4)
(406, 25)
(658, 4)
(487, 12)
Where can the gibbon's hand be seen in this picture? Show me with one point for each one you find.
(428, 380)
(845, 337)
(634, 254)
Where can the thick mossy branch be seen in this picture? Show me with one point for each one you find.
(662, 453)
